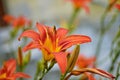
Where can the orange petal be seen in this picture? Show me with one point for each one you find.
(15, 23)
(31, 45)
(8, 18)
(24, 21)
(73, 40)
(61, 32)
(61, 58)
(42, 29)
(52, 33)
(31, 34)
(104, 73)
(20, 74)
(93, 70)
(86, 8)
(81, 3)
(20, 21)
(10, 65)
(90, 76)
(117, 6)
(84, 61)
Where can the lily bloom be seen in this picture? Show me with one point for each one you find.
(52, 42)
(18, 22)
(81, 4)
(117, 6)
(7, 72)
(85, 62)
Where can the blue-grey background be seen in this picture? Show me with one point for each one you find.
(54, 12)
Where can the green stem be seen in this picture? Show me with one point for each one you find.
(102, 32)
(103, 21)
(112, 46)
(112, 21)
(117, 72)
(99, 45)
(45, 63)
(21, 69)
(63, 76)
(36, 75)
(72, 19)
(114, 60)
(46, 69)
(114, 53)
(21, 79)
(43, 74)
(104, 29)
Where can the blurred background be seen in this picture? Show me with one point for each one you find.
(56, 12)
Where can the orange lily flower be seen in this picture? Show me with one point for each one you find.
(17, 22)
(7, 72)
(84, 62)
(52, 42)
(117, 6)
(81, 4)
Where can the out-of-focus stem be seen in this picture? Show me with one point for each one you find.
(36, 75)
(112, 21)
(101, 36)
(63, 76)
(72, 19)
(103, 30)
(99, 45)
(21, 69)
(114, 60)
(44, 73)
(114, 53)
(45, 70)
(117, 72)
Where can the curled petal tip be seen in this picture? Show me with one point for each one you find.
(95, 71)
(89, 39)
(106, 74)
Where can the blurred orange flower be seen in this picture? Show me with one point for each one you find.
(21, 21)
(81, 4)
(7, 72)
(117, 6)
(85, 62)
(53, 43)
